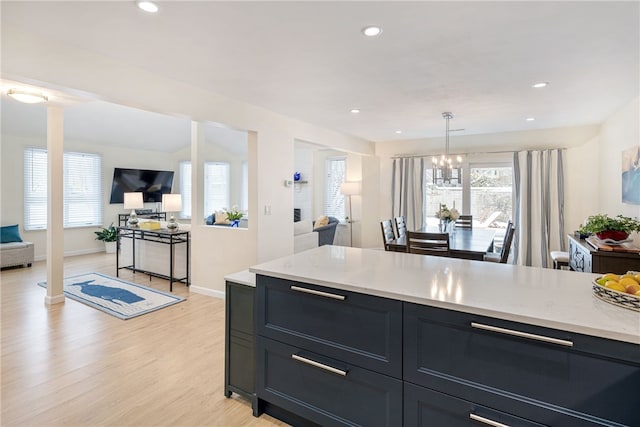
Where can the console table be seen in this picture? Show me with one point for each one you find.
(585, 258)
(160, 216)
(169, 239)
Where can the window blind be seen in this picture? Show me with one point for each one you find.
(216, 187)
(82, 189)
(334, 201)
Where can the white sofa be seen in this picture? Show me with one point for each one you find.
(303, 236)
(16, 253)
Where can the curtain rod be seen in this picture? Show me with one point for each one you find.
(410, 156)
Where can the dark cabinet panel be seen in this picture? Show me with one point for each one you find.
(326, 391)
(584, 258)
(239, 341)
(428, 408)
(454, 353)
(355, 328)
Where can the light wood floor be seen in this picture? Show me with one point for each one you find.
(72, 365)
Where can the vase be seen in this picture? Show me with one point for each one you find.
(613, 235)
(451, 227)
(235, 223)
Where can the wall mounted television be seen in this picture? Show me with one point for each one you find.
(153, 184)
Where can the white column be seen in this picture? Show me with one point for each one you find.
(55, 229)
(197, 174)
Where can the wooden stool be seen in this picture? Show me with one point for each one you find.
(560, 259)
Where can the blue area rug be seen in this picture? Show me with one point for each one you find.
(114, 296)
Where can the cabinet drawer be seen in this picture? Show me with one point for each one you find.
(359, 329)
(428, 408)
(326, 391)
(444, 352)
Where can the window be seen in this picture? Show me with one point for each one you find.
(491, 194)
(437, 194)
(334, 201)
(185, 189)
(216, 187)
(82, 186)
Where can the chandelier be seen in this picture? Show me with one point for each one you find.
(446, 169)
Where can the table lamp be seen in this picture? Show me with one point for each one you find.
(172, 203)
(133, 201)
(350, 189)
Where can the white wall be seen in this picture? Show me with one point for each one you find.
(26, 57)
(594, 169)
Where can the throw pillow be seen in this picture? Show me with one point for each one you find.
(221, 218)
(10, 233)
(321, 222)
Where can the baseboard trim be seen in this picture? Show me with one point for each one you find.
(56, 299)
(72, 253)
(206, 291)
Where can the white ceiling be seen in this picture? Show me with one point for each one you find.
(308, 60)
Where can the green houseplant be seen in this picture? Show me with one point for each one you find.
(109, 236)
(605, 227)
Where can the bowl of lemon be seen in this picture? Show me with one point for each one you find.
(621, 290)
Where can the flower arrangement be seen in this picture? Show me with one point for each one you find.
(234, 214)
(447, 215)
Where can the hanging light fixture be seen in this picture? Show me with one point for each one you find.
(446, 169)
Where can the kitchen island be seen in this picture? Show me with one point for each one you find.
(351, 336)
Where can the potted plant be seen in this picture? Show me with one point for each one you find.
(605, 227)
(109, 236)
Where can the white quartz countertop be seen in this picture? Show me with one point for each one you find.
(539, 296)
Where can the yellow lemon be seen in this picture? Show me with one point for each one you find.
(602, 281)
(627, 281)
(615, 286)
(611, 276)
(628, 276)
(637, 277)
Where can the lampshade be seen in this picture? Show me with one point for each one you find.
(350, 188)
(171, 202)
(133, 201)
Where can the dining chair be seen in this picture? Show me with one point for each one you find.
(428, 243)
(503, 256)
(401, 226)
(465, 221)
(387, 233)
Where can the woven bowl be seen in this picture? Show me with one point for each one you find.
(621, 299)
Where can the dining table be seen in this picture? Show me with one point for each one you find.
(466, 243)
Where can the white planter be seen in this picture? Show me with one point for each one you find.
(110, 247)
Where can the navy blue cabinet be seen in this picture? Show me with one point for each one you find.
(543, 375)
(335, 358)
(331, 358)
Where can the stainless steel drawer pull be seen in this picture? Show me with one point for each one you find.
(551, 340)
(486, 421)
(319, 365)
(319, 293)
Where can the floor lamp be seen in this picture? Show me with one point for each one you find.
(350, 189)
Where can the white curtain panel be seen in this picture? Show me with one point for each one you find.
(539, 217)
(407, 191)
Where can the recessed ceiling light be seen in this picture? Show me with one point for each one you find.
(27, 97)
(371, 31)
(355, 110)
(539, 85)
(530, 119)
(148, 6)
(398, 131)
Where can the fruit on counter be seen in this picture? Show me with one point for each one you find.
(611, 276)
(615, 286)
(626, 283)
(632, 288)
